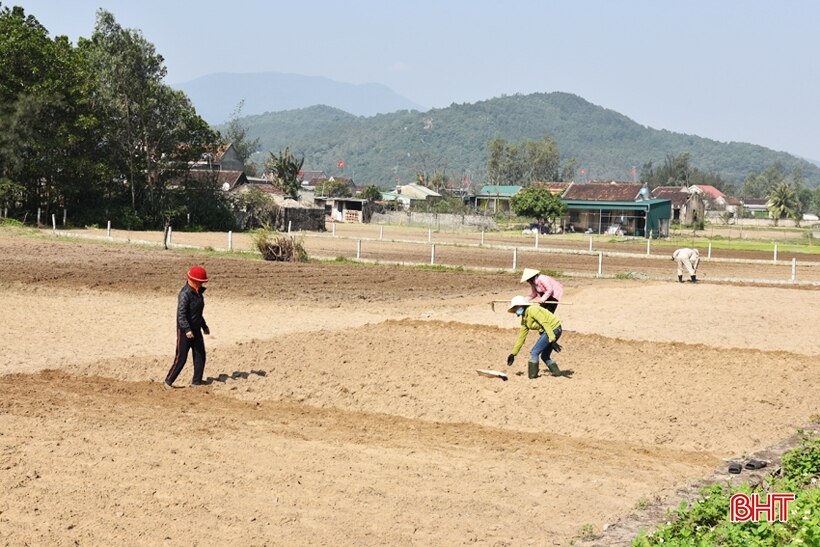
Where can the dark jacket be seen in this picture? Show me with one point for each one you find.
(190, 306)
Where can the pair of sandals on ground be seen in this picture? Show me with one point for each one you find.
(735, 467)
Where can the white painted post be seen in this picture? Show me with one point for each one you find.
(590, 243)
(109, 229)
(600, 263)
(537, 233)
(647, 246)
(38, 216)
(230, 240)
(381, 232)
(429, 236)
(289, 223)
(65, 213)
(432, 254)
(794, 269)
(710, 250)
(482, 236)
(169, 234)
(515, 258)
(358, 248)
(775, 253)
(53, 222)
(334, 229)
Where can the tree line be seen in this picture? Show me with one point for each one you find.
(92, 128)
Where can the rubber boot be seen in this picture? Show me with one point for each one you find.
(680, 279)
(693, 278)
(553, 366)
(532, 369)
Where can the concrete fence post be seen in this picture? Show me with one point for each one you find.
(794, 269)
(358, 248)
(775, 253)
(590, 243)
(432, 254)
(537, 233)
(230, 240)
(515, 258)
(109, 229)
(710, 250)
(53, 222)
(600, 263)
(648, 240)
(65, 214)
(381, 232)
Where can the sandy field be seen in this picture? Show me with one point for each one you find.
(343, 406)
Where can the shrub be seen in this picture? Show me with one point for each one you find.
(280, 248)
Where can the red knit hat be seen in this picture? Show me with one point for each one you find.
(198, 273)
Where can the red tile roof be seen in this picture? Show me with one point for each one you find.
(709, 190)
(603, 191)
(676, 194)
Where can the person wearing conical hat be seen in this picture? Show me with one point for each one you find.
(191, 326)
(541, 320)
(544, 289)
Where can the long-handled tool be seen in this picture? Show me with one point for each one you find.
(494, 302)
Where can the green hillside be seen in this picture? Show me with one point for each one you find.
(387, 148)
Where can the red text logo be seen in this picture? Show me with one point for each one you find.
(746, 507)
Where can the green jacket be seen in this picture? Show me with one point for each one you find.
(536, 318)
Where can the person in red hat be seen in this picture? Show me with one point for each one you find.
(191, 326)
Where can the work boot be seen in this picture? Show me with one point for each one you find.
(532, 369)
(694, 279)
(680, 279)
(553, 366)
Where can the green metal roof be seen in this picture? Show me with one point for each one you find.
(643, 205)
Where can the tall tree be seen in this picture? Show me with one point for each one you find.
(153, 131)
(540, 204)
(285, 169)
(237, 134)
(783, 202)
(523, 163)
(46, 130)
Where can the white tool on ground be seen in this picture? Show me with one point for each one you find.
(491, 373)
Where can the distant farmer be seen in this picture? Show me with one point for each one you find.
(190, 327)
(539, 319)
(544, 289)
(687, 259)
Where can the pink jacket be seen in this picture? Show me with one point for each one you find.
(544, 287)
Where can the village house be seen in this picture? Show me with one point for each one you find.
(687, 206)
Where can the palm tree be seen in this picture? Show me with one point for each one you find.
(783, 202)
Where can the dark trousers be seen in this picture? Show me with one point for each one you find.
(551, 304)
(197, 346)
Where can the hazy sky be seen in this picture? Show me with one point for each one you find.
(729, 70)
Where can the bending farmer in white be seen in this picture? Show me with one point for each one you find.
(687, 259)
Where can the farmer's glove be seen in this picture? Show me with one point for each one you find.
(556, 347)
(510, 359)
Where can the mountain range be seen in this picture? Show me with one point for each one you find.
(383, 138)
(216, 96)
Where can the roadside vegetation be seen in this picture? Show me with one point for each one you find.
(707, 520)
